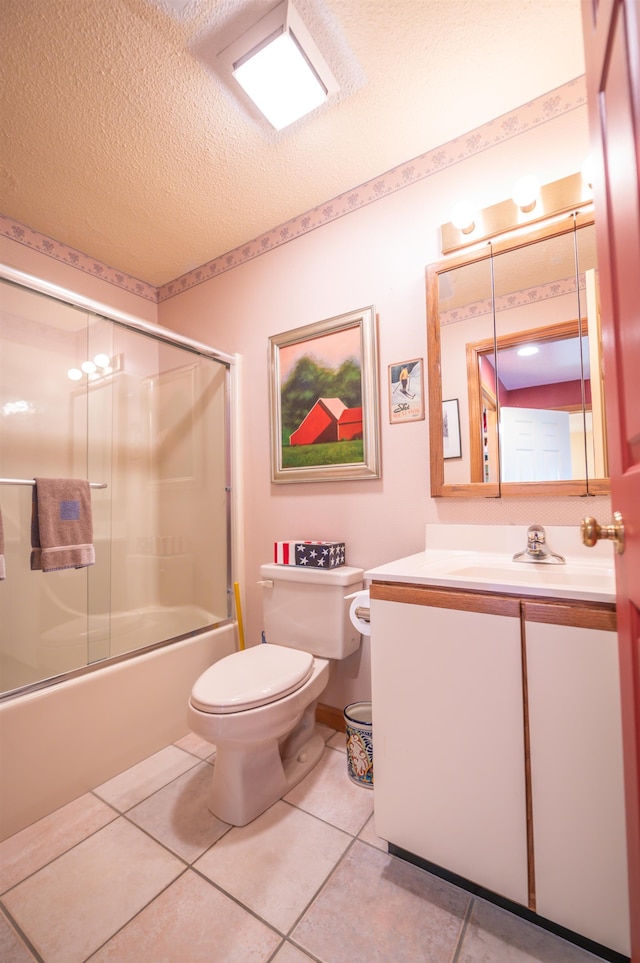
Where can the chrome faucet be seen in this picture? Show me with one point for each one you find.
(537, 549)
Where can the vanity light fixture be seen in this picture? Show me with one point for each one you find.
(279, 66)
(559, 197)
(101, 366)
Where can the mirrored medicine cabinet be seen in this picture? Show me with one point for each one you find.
(516, 383)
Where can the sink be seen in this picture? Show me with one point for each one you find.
(539, 574)
(577, 579)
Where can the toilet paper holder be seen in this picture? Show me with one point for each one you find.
(359, 611)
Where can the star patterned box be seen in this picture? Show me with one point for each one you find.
(311, 554)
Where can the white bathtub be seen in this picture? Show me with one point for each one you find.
(60, 742)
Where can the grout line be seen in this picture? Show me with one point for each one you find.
(20, 933)
(463, 932)
(135, 915)
(321, 887)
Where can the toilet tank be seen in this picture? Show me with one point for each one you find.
(305, 608)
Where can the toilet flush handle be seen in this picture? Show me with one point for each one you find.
(266, 582)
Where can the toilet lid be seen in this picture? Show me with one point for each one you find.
(251, 678)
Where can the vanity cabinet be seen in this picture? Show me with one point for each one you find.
(579, 842)
(448, 722)
(498, 750)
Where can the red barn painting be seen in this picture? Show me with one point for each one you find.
(328, 420)
(350, 424)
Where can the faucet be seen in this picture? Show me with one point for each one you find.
(537, 549)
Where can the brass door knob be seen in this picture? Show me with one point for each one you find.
(591, 532)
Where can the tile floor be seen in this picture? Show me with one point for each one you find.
(139, 871)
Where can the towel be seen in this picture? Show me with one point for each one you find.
(61, 524)
(3, 573)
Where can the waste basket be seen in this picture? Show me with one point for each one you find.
(357, 717)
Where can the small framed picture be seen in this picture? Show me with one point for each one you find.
(406, 391)
(451, 429)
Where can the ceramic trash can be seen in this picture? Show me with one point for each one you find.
(357, 717)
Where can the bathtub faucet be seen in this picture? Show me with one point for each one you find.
(537, 549)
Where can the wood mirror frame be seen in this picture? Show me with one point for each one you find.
(490, 489)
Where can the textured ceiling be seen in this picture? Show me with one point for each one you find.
(122, 138)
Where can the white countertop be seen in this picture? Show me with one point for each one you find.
(585, 577)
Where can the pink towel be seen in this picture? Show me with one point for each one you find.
(61, 524)
(3, 573)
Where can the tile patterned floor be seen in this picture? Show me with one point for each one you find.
(139, 870)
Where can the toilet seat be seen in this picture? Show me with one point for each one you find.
(250, 678)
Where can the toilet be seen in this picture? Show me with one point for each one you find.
(258, 705)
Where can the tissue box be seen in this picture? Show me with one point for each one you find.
(311, 554)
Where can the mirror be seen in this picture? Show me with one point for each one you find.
(516, 386)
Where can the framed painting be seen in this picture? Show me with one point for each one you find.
(406, 391)
(451, 429)
(324, 400)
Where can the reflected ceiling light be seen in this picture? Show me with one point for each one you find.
(279, 66)
(74, 373)
(101, 360)
(17, 407)
(463, 217)
(527, 349)
(525, 193)
(588, 170)
(88, 367)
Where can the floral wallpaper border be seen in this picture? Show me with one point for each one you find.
(562, 100)
(541, 292)
(68, 255)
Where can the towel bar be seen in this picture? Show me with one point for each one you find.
(31, 481)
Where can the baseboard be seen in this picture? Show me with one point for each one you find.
(330, 716)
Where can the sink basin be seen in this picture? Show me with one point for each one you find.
(577, 579)
(537, 574)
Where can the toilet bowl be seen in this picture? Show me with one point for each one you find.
(266, 740)
(258, 705)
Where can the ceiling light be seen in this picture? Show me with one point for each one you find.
(279, 66)
(525, 193)
(527, 349)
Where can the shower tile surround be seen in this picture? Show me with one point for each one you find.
(139, 869)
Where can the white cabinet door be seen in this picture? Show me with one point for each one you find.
(449, 770)
(577, 781)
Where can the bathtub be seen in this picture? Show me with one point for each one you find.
(60, 742)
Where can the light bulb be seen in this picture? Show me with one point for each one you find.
(74, 373)
(463, 217)
(525, 193)
(102, 360)
(88, 367)
(527, 349)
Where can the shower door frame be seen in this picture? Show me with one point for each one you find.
(165, 335)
